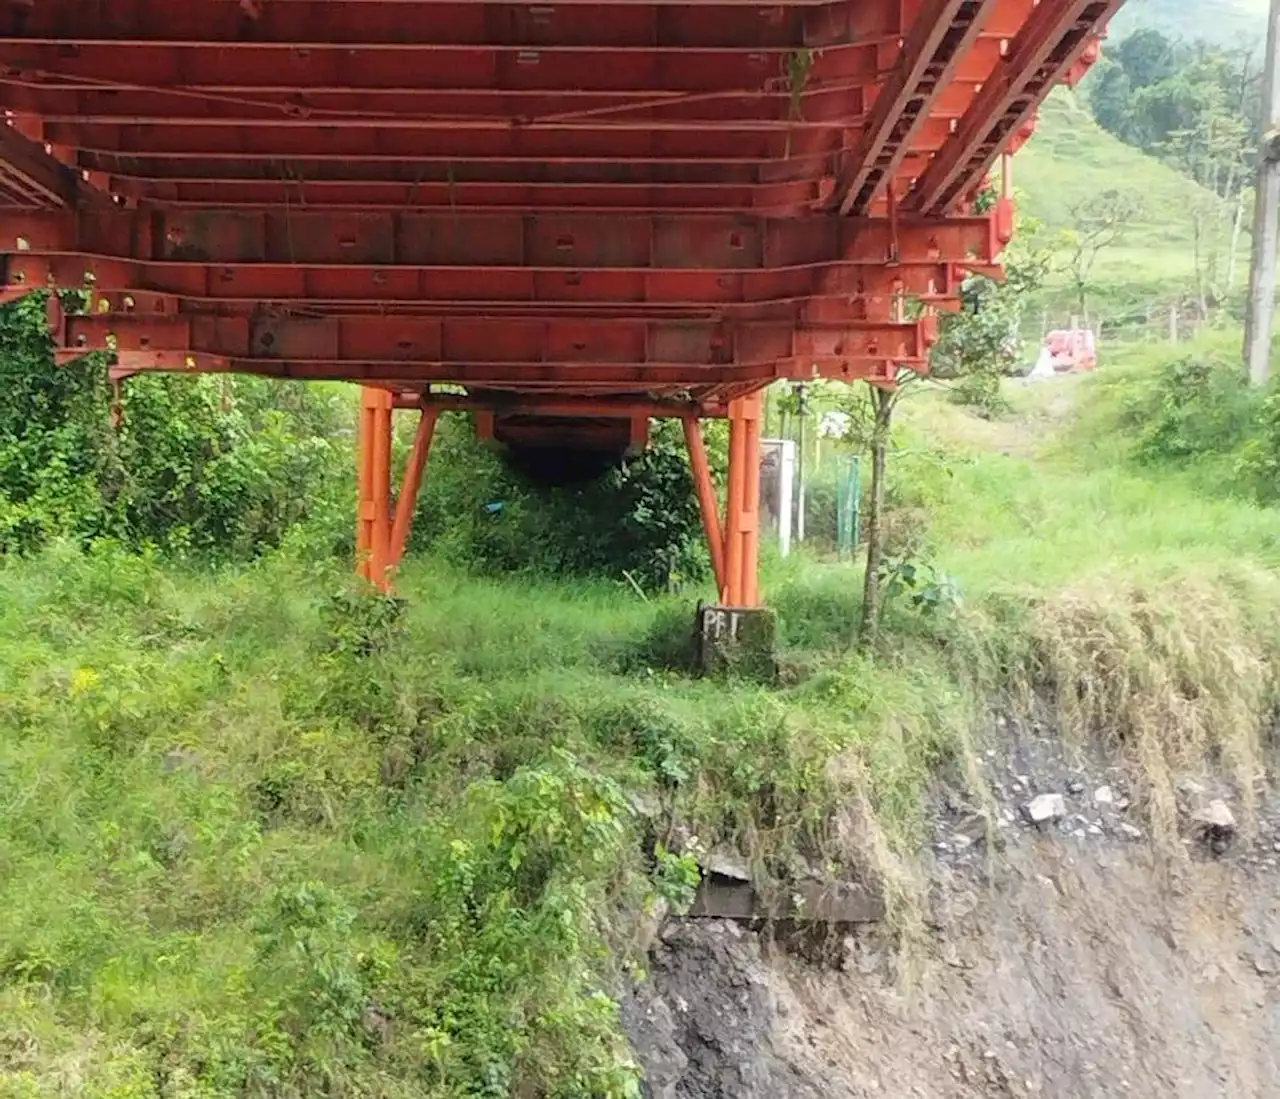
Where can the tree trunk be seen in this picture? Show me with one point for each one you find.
(1237, 224)
(1197, 240)
(882, 402)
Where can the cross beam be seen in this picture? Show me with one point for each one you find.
(1045, 50)
(940, 37)
(495, 243)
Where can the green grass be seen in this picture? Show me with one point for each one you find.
(1042, 512)
(256, 841)
(1071, 158)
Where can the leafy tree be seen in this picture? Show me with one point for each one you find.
(1148, 57)
(976, 350)
(1109, 93)
(216, 466)
(1098, 222)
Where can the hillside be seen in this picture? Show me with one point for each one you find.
(1224, 21)
(1071, 158)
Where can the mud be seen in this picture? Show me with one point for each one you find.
(1065, 959)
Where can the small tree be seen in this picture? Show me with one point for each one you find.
(1097, 223)
(977, 348)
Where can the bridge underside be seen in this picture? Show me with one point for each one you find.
(566, 218)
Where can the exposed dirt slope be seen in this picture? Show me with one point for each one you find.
(1071, 961)
(1073, 975)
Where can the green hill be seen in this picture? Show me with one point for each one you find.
(1216, 20)
(1071, 158)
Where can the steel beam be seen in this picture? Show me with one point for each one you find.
(356, 23)
(859, 289)
(80, 99)
(1054, 37)
(346, 196)
(940, 38)
(304, 25)
(637, 141)
(541, 347)
(425, 64)
(517, 403)
(34, 177)
(493, 243)
(553, 379)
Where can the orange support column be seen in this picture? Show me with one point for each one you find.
(731, 591)
(701, 470)
(751, 502)
(742, 528)
(373, 506)
(407, 500)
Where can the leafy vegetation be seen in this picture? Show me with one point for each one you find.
(640, 519)
(262, 839)
(215, 466)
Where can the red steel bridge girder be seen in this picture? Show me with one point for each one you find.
(528, 343)
(124, 286)
(604, 209)
(585, 242)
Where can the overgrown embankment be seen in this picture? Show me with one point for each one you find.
(258, 839)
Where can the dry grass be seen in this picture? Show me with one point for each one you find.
(1177, 676)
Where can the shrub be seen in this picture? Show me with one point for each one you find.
(1258, 465)
(641, 517)
(218, 466)
(1193, 408)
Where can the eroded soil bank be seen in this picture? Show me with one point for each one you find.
(1070, 961)
(1071, 974)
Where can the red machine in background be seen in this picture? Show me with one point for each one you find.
(1071, 350)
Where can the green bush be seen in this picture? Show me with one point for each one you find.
(217, 466)
(641, 518)
(1258, 464)
(1194, 407)
(223, 467)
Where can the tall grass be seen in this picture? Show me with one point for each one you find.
(260, 836)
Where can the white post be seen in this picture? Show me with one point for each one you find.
(786, 477)
(1266, 217)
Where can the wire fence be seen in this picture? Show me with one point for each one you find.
(1156, 322)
